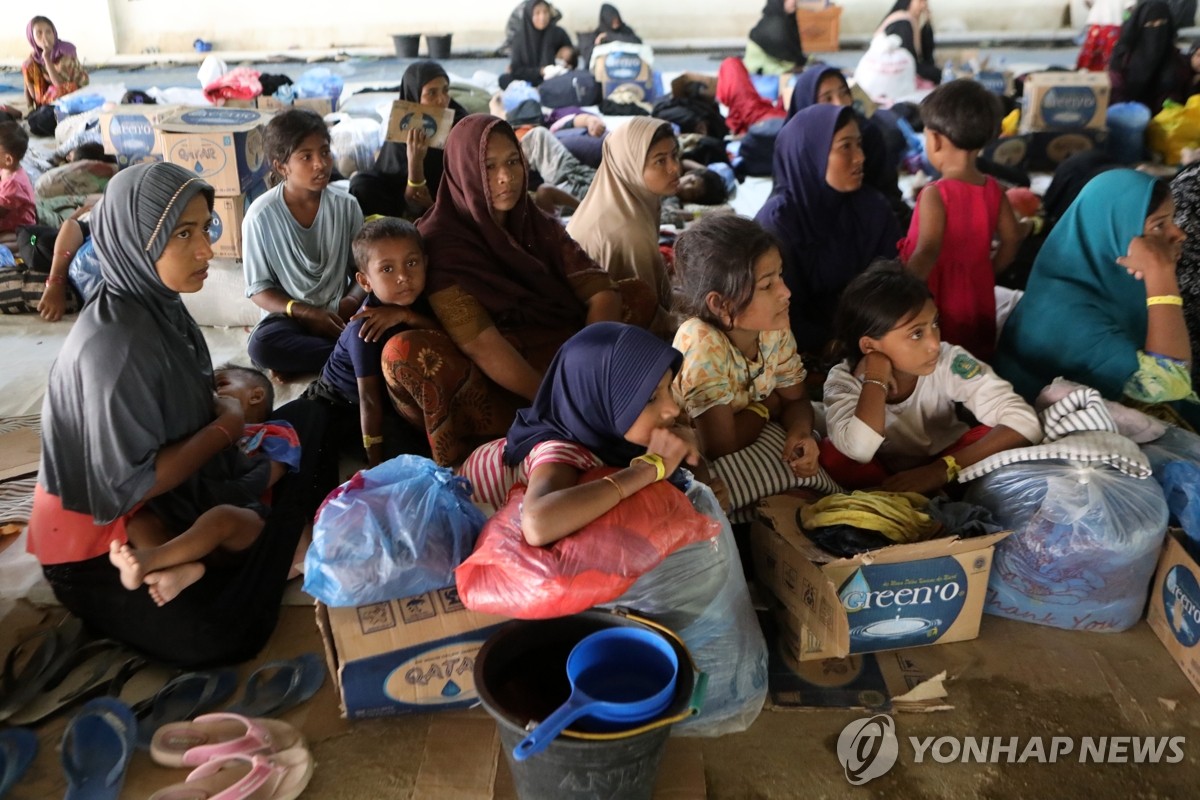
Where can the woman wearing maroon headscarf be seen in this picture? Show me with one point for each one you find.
(507, 284)
(52, 69)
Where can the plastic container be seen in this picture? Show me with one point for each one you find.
(407, 44)
(1127, 123)
(521, 677)
(438, 45)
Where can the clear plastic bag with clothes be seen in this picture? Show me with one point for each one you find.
(355, 142)
(1175, 459)
(1084, 546)
(319, 82)
(392, 531)
(700, 592)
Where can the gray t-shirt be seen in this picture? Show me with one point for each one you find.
(313, 265)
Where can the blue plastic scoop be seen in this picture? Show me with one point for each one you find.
(618, 675)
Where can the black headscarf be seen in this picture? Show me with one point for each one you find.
(380, 190)
(622, 33)
(777, 33)
(134, 374)
(533, 49)
(919, 43)
(1145, 63)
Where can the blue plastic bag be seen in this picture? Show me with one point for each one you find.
(84, 271)
(1175, 458)
(1084, 545)
(389, 532)
(7, 260)
(319, 82)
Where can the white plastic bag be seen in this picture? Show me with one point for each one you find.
(355, 142)
(886, 72)
(701, 594)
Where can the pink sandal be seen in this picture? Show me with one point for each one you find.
(213, 736)
(278, 776)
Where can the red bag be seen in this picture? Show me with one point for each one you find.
(596, 564)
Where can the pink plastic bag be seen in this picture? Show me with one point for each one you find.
(597, 564)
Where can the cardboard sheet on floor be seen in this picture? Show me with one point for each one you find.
(897, 680)
(19, 453)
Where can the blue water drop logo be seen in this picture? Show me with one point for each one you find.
(451, 689)
(198, 169)
(854, 592)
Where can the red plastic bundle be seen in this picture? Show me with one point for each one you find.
(596, 564)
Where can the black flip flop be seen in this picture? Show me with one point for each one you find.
(90, 672)
(35, 662)
(185, 697)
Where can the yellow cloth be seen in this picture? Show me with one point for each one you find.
(896, 515)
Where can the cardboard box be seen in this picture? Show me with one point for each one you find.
(129, 133)
(906, 595)
(621, 69)
(222, 145)
(411, 655)
(1064, 101)
(1043, 150)
(226, 231)
(996, 81)
(405, 115)
(819, 30)
(1174, 613)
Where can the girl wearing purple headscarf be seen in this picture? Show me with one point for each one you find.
(52, 69)
(829, 224)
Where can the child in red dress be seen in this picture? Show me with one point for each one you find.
(949, 242)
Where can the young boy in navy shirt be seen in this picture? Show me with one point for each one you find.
(390, 257)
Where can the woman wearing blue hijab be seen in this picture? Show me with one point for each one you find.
(1102, 306)
(822, 83)
(605, 401)
(830, 225)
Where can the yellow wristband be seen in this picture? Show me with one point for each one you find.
(371, 441)
(288, 309)
(660, 469)
(760, 409)
(952, 469)
(1164, 300)
(417, 185)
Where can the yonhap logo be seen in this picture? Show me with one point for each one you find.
(868, 748)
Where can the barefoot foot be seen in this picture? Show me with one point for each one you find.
(124, 558)
(166, 584)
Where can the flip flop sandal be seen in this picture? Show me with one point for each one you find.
(140, 683)
(278, 686)
(190, 744)
(281, 776)
(18, 746)
(34, 662)
(89, 673)
(186, 697)
(96, 749)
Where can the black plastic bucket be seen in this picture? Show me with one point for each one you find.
(521, 677)
(438, 45)
(407, 44)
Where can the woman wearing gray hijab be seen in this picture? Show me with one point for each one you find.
(131, 422)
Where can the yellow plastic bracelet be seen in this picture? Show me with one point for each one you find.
(371, 441)
(660, 468)
(952, 469)
(1164, 300)
(760, 409)
(288, 309)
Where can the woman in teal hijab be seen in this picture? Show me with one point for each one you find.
(1102, 305)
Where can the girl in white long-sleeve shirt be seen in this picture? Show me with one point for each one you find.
(892, 404)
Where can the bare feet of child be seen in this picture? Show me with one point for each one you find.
(125, 559)
(166, 584)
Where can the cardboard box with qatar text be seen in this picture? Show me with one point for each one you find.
(1174, 609)
(412, 655)
(225, 232)
(621, 69)
(224, 146)
(905, 595)
(1064, 101)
